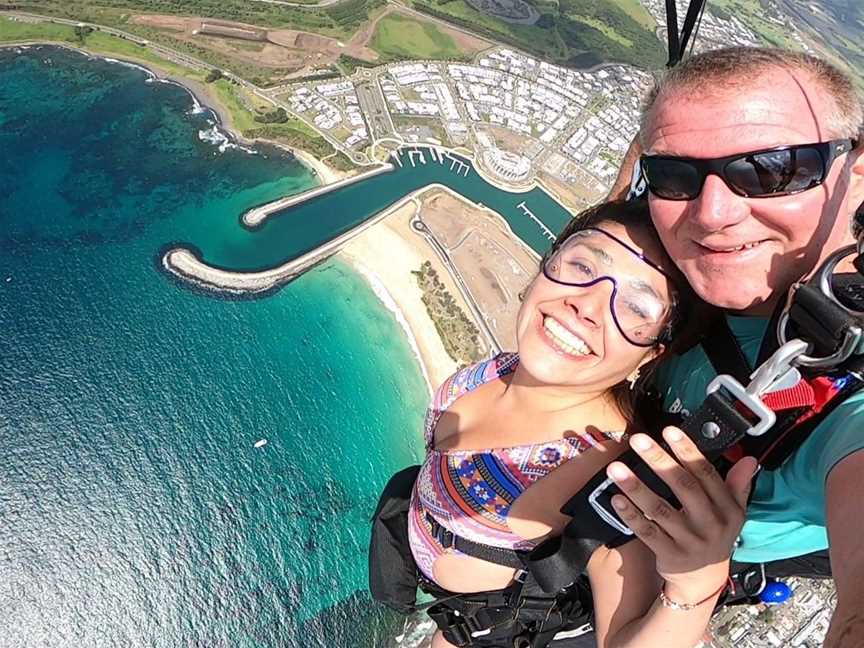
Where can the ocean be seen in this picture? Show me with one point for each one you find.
(136, 509)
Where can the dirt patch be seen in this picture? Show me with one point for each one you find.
(299, 40)
(572, 195)
(289, 50)
(358, 46)
(508, 140)
(172, 23)
(492, 262)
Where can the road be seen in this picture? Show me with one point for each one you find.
(419, 226)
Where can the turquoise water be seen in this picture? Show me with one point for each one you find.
(290, 232)
(135, 510)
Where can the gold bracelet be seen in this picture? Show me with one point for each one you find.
(666, 602)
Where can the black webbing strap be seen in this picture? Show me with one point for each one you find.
(560, 560)
(694, 13)
(672, 34)
(497, 555)
(722, 348)
(521, 614)
(677, 40)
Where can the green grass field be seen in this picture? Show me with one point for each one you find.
(339, 20)
(399, 37)
(579, 33)
(13, 31)
(637, 12)
(293, 133)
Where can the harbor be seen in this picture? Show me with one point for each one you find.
(276, 242)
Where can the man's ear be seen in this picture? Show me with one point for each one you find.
(855, 192)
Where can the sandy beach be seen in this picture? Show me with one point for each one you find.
(386, 256)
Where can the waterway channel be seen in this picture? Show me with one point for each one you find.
(534, 215)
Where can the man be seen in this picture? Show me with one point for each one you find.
(743, 232)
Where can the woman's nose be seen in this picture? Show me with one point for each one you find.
(589, 303)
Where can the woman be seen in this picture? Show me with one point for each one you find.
(511, 439)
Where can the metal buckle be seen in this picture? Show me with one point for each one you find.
(852, 342)
(766, 417)
(777, 369)
(752, 580)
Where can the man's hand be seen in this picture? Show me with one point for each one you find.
(692, 546)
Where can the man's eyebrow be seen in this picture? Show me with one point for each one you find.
(643, 286)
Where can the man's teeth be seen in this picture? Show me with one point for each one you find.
(564, 339)
(745, 246)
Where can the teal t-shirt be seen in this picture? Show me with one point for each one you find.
(786, 515)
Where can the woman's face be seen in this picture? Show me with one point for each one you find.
(581, 336)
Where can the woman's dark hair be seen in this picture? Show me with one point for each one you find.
(634, 214)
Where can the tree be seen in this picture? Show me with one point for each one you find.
(213, 75)
(82, 32)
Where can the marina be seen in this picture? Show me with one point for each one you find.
(276, 242)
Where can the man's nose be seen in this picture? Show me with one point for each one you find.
(717, 206)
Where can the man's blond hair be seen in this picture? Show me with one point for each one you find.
(731, 68)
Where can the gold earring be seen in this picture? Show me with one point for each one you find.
(632, 379)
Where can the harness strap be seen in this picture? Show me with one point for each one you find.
(722, 348)
(560, 560)
(497, 555)
(518, 615)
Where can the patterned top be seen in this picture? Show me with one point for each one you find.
(470, 492)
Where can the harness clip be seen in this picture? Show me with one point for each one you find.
(778, 372)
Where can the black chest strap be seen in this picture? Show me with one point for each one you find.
(497, 555)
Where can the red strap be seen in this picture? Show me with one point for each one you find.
(801, 395)
(813, 394)
(824, 390)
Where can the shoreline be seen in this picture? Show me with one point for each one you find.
(186, 264)
(203, 96)
(395, 287)
(386, 258)
(379, 287)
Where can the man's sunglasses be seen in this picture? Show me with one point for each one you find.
(772, 172)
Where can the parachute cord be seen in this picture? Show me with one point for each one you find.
(696, 28)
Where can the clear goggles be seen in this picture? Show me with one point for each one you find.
(637, 303)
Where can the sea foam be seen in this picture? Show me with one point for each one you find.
(216, 136)
(390, 304)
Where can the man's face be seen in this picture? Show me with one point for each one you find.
(742, 253)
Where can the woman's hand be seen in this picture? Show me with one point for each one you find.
(692, 546)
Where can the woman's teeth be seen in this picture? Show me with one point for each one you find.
(564, 339)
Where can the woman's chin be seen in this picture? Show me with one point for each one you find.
(553, 368)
